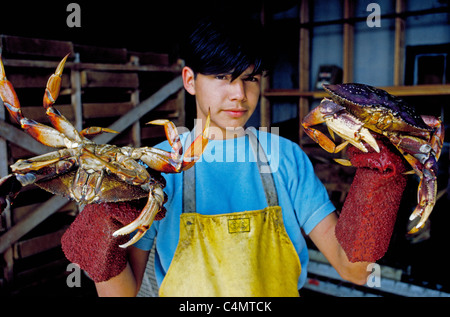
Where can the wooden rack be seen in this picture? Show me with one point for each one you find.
(305, 96)
(339, 186)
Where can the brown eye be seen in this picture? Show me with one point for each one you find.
(252, 79)
(221, 77)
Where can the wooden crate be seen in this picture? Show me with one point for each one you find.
(100, 87)
(32, 48)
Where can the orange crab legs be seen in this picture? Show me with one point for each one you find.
(142, 223)
(163, 161)
(51, 94)
(340, 122)
(64, 134)
(9, 96)
(42, 133)
(422, 155)
(191, 155)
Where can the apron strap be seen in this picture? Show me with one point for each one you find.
(189, 202)
(189, 190)
(264, 169)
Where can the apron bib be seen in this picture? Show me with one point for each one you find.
(241, 254)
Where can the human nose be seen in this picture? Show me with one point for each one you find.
(237, 90)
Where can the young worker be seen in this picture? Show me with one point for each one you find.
(234, 221)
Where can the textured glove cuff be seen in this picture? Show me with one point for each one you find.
(89, 241)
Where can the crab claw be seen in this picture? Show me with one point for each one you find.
(172, 136)
(51, 94)
(143, 222)
(54, 84)
(46, 135)
(176, 163)
(195, 150)
(437, 138)
(341, 122)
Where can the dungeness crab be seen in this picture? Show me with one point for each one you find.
(89, 172)
(356, 110)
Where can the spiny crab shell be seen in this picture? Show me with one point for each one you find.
(355, 111)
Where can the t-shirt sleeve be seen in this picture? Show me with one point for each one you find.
(309, 196)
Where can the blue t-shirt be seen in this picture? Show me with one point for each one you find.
(228, 180)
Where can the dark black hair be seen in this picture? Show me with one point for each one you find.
(219, 46)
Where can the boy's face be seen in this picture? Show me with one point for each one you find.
(231, 103)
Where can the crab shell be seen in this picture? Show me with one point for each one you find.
(379, 110)
(112, 188)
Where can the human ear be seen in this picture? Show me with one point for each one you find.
(188, 80)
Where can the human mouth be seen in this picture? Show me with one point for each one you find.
(235, 113)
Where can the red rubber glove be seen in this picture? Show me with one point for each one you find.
(367, 219)
(89, 241)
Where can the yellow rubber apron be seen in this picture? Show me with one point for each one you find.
(245, 253)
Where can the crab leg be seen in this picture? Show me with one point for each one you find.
(157, 159)
(51, 94)
(95, 131)
(9, 96)
(145, 219)
(421, 157)
(56, 118)
(437, 139)
(426, 193)
(172, 135)
(54, 85)
(166, 162)
(42, 133)
(38, 162)
(195, 150)
(25, 171)
(426, 196)
(316, 116)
